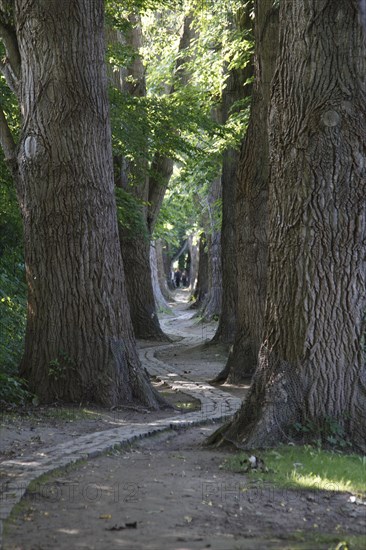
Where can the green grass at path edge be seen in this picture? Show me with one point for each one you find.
(302, 540)
(44, 414)
(306, 467)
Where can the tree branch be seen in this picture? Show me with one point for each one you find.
(362, 5)
(162, 167)
(9, 39)
(160, 173)
(9, 76)
(6, 139)
(182, 249)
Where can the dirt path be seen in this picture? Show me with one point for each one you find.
(168, 491)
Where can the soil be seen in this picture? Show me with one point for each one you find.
(35, 428)
(169, 491)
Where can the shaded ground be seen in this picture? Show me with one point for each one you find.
(168, 491)
(34, 429)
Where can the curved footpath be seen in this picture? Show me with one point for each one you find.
(216, 405)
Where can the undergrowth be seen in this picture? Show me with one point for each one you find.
(13, 301)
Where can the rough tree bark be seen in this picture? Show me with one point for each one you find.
(211, 307)
(194, 255)
(160, 299)
(201, 288)
(225, 332)
(252, 205)
(79, 344)
(235, 90)
(312, 361)
(163, 269)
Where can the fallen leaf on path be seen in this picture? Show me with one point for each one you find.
(188, 519)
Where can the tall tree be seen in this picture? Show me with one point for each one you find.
(201, 288)
(79, 342)
(148, 186)
(211, 306)
(252, 204)
(158, 277)
(237, 87)
(312, 364)
(135, 245)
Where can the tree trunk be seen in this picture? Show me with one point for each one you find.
(136, 259)
(136, 248)
(227, 323)
(201, 288)
(150, 187)
(212, 306)
(312, 366)
(235, 90)
(160, 174)
(79, 344)
(252, 205)
(194, 255)
(163, 268)
(166, 256)
(160, 301)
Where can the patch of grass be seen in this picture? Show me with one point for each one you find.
(40, 415)
(333, 542)
(188, 405)
(308, 468)
(70, 414)
(166, 310)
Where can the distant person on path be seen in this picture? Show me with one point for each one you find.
(177, 276)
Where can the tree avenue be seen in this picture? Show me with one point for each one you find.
(79, 342)
(312, 360)
(280, 221)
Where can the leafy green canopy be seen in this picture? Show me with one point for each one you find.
(218, 47)
(178, 214)
(166, 124)
(175, 118)
(117, 11)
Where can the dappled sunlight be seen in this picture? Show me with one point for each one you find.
(307, 467)
(25, 462)
(234, 386)
(151, 154)
(321, 482)
(69, 531)
(182, 295)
